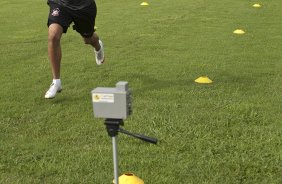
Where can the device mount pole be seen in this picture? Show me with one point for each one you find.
(115, 157)
(112, 126)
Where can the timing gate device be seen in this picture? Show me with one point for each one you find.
(112, 102)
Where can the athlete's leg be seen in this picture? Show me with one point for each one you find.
(84, 21)
(54, 48)
(55, 55)
(59, 20)
(93, 40)
(98, 47)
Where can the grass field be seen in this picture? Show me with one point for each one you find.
(227, 132)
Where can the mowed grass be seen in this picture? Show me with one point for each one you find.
(225, 132)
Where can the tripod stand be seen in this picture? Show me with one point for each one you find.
(113, 127)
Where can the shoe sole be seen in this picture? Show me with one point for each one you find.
(101, 62)
(102, 46)
(59, 91)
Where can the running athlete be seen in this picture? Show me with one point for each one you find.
(62, 13)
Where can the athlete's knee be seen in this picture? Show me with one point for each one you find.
(54, 33)
(91, 39)
(87, 40)
(54, 38)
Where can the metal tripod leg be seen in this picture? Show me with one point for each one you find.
(112, 126)
(115, 157)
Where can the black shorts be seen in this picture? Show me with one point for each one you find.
(84, 19)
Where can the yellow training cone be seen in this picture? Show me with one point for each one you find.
(239, 31)
(129, 178)
(203, 80)
(256, 5)
(144, 4)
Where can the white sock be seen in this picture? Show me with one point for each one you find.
(57, 81)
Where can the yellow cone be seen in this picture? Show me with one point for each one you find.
(256, 5)
(203, 80)
(129, 178)
(144, 4)
(239, 31)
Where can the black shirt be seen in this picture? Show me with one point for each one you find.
(73, 4)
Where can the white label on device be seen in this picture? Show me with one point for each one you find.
(100, 97)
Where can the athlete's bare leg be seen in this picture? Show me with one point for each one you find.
(54, 48)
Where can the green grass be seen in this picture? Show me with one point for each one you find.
(226, 132)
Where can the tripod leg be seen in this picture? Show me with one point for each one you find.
(115, 156)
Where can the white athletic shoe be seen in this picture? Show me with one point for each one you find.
(100, 58)
(52, 91)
